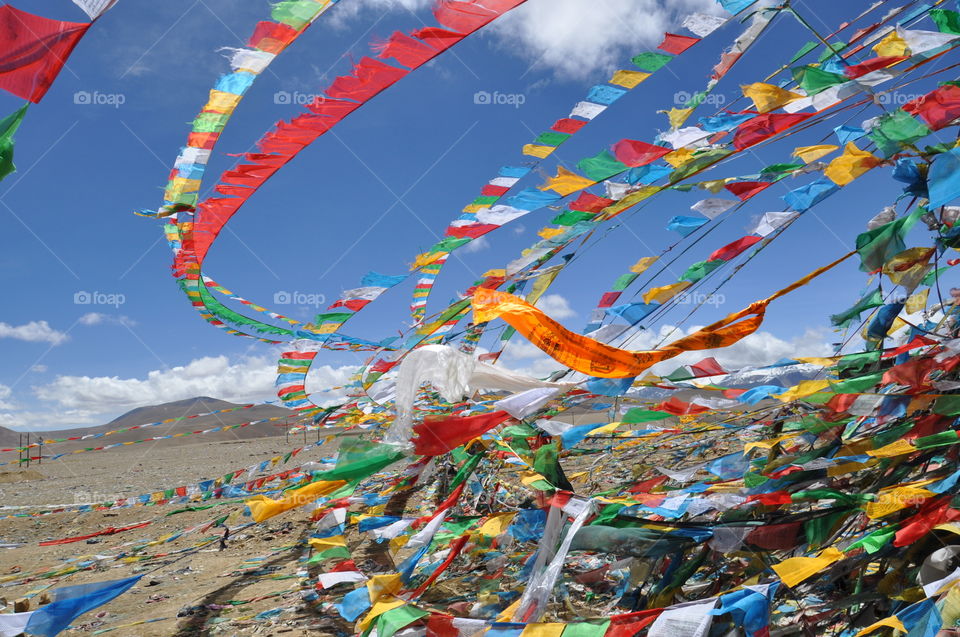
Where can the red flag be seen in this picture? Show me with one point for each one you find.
(464, 17)
(272, 37)
(746, 189)
(406, 50)
(677, 407)
(472, 231)
(635, 153)
(438, 38)
(369, 77)
(630, 624)
(569, 126)
(676, 44)
(938, 107)
(34, 50)
(871, 65)
(765, 126)
(494, 191)
(707, 367)
(436, 437)
(589, 203)
(734, 249)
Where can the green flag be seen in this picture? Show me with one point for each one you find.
(870, 301)
(9, 126)
(601, 167)
(881, 244)
(947, 21)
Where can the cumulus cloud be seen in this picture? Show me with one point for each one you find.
(250, 379)
(576, 40)
(477, 245)
(5, 394)
(33, 332)
(571, 38)
(556, 306)
(99, 318)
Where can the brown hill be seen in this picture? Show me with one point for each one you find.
(177, 409)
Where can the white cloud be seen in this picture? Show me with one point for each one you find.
(477, 245)
(576, 39)
(33, 332)
(38, 369)
(556, 307)
(572, 38)
(99, 318)
(5, 393)
(250, 379)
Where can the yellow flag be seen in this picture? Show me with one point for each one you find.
(678, 116)
(633, 198)
(803, 389)
(379, 608)
(221, 102)
(664, 293)
(263, 508)
(714, 186)
(892, 500)
(543, 630)
(496, 524)
(898, 448)
(643, 264)
(813, 153)
(536, 150)
(767, 97)
(888, 622)
(549, 233)
(381, 585)
(323, 543)
(426, 259)
(628, 79)
(908, 268)
(850, 165)
(891, 45)
(797, 569)
(678, 157)
(566, 182)
(917, 301)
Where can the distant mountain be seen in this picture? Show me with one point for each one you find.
(177, 409)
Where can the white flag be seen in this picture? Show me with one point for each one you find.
(94, 8)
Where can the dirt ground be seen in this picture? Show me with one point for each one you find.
(173, 582)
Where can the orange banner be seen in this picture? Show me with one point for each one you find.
(592, 357)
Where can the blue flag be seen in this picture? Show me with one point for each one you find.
(70, 602)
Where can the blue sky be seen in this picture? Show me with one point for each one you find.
(369, 197)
